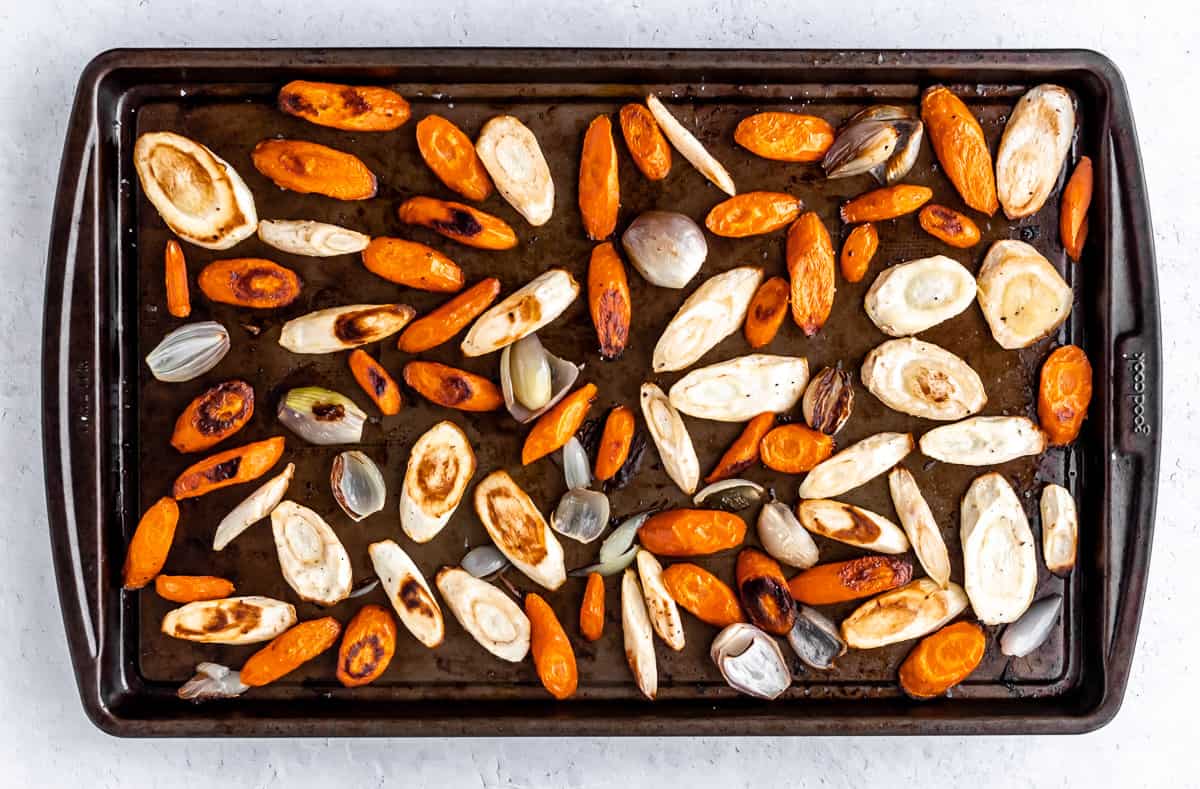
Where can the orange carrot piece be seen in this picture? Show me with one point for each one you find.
(702, 594)
(555, 427)
(810, 264)
(743, 452)
(345, 107)
(450, 154)
(458, 222)
(764, 592)
(794, 448)
(1073, 216)
(753, 214)
(957, 139)
(179, 301)
(249, 282)
(768, 308)
(599, 188)
(216, 414)
(151, 542)
(591, 610)
(615, 442)
(290, 650)
(367, 646)
(453, 388)
(948, 225)
(942, 660)
(785, 136)
(608, 300)
(553, 656)
(412, 265)
(858, 250)
(376, 382)
(886, 203)
(840, 582)
(439, 326)
(1064, 392)
(688, 532)
(190, 588)
(231, 467)
(645, 141)
(309, 168)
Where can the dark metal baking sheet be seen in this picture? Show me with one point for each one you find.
(107, 419)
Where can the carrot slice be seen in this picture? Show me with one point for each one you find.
(555, 427)
(309, 168)
(794, 448)
(702, 594)
(458, 222)
(1064, 392)
(439, 326)
(599, 189)
(151, 542)
(764, 592)
(948, 225)
(376, 382)
(645, 141)
(290, 650)
(961, 148)
(345, 107)
(614, 443)
(687, 532)
(858, 250)
(367, 646)
(608, 300)
(942, 660)
(553, 656)
(450, 154)
(591, 610)
(179, 301)
(753, 214)
(785, 136)
(249, 282)
(412, 265)
(840, 582)
(453, 388)
(886, 203)
(231, 467)
(1073, 216)
(216, 414)
(743, 452)
(190, 588)
(810, 265)
(768, 308)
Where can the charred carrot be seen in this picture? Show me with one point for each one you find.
(961, 148)
(554, 428)
(412, 265)
(764, 592)
(1064, 392)
(687, 532)
(942, 660)
(458, 222)
(948, 225)
(179, 302)
(702, 594)
(216, 414)
(290, 650)
(553, 656)
(608, 300)
(842, 581)
(753, 214)
(249, 282)
(591, 610)
(190, 588)
(768, 308)
(858, 250)
(231, 467)
(147, 552)
(1073, 216)
(453, 388)
(367, 646)
(785, 136)
(309, 168)
(345, 107)
(450, 154)
(599, 188)
(439, 326)
(645, 141)
(794, 448)
(810, 265)
(615, 442)
(376, 382)
(743, 452)
(886, 203)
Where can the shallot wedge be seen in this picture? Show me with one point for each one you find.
(529, 374)
(815, 639)
(667, 248)
(1035, 144)
(917, 520)
(487, 613)
(230, 620)
(212, 681)
(522, 312)
(342, 328)
(750, 661)
(1032, 629)
(664, 614)
(999, 557)
(254, 508)
(883, 140)
(984, 440)
(440, 466)
(691, 148)
(671, 437)
(856, 465)
(714, 311)
(909, 298)
(313, 560)
(313, 239)
(1060, 529)
(188, 352)
(922, 379)
(518, 529)
(638, 636)
(511, 154)
(1023, 297)
(784, 538)
(408, 592)
(914, 610)
(740, 389)
(851, 525)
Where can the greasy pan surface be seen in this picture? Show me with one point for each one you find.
(230, 119)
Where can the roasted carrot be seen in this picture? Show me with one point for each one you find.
(942, 660)
(599, 189)
(553, 656)
(886, 203)
(810, 265)
(702, 594)
(231, 467)
(752, 214)
(687, 532)
(1064, 392)
(785, 136)
(439, 326)
(367, 646)
(1073, 216)
(767, 310)
(412, 265)
(179, 301)
(961, 148)
(948, 225)
(216, 414)
(764, 592)
(249, 282)
(458, 222)
(345, 107)
(743, 452)
(376, 382)
(190, 588)
(591, 610)
(555, 427)
(290, 650)
(453, 388)
(858, 250)
(608, 300)
(645, 141)
(450, 154)
(151, 542)
(851, 580)
(614, 443)
(309, 168)
(794, 448)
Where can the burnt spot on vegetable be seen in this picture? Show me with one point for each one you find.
(224, 405)
(459, 222)
(223, 471)
(416, 599)
(454, 389)
(354, 102)
(378, 382)
(294, 103)
(363, 657)
(768, 602)
(328, 412)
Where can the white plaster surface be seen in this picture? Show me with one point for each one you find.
(44, 737)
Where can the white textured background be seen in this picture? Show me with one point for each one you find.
(44, 737)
